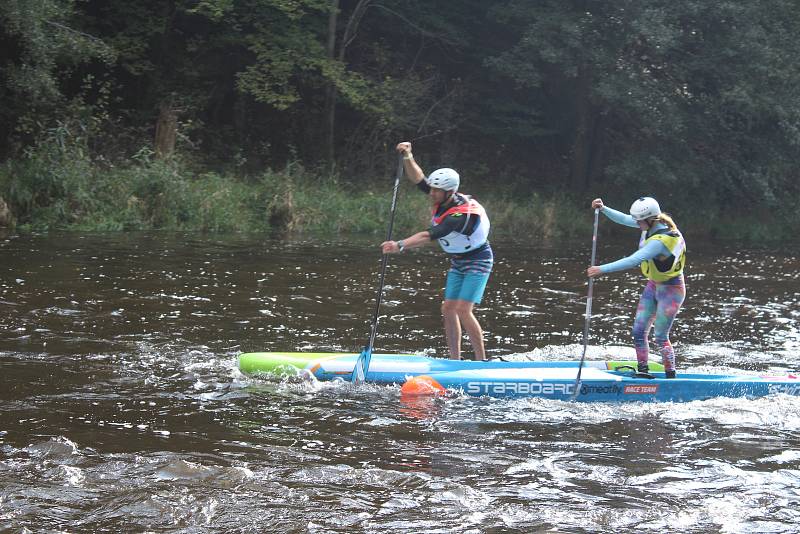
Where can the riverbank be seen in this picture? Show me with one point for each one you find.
(60, 188)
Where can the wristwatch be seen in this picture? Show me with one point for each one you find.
(401, 245)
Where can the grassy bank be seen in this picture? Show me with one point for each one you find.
(58, 187)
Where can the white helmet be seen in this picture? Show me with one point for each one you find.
(645, 208)
(446, 179)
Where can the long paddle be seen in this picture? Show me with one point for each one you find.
(362, 362)
(588, 304)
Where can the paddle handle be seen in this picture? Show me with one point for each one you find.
(591, 280)
(385, 257)
(588, 301)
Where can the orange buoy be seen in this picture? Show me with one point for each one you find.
(422, 385)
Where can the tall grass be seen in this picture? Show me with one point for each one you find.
(57, 186)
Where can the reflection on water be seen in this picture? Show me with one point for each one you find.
(421, 407)
(123, 409)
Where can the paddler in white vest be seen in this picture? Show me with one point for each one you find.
(661, 257)
(460, 225)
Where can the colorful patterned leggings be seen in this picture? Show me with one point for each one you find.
(658, 307)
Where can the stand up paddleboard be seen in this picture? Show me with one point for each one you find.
(603, 381)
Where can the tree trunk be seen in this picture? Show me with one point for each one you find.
(167, 122)
(6, 217)
(582, 146)
(597, 159)
(348, 35)
(166, 131)
(331, 94)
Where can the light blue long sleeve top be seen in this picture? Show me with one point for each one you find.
(647, 252)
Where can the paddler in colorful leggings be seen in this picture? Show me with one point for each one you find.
(661, 256)
(460, 225)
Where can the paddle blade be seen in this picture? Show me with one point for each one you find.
(361, 367)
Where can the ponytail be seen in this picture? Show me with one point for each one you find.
(666, 219)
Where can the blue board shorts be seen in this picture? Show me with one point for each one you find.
(467, 284)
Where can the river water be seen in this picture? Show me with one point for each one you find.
(123, 409)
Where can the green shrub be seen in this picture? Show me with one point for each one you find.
(57, 185)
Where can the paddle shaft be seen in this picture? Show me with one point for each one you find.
(588, 300)
(385, 258)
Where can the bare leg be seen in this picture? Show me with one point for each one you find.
(452, 328)
(473, 328)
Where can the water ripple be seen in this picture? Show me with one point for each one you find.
(124, 410)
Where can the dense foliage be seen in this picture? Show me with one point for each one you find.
(692, 101)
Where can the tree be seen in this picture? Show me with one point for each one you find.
(42, 46)
(686, 93)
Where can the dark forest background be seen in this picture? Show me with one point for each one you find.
(127, 114)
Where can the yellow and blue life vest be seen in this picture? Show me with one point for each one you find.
(663, 268)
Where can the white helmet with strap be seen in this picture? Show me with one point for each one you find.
(446, 179)
(645, 208)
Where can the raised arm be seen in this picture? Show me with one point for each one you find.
(616, 216)
(413, 171)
